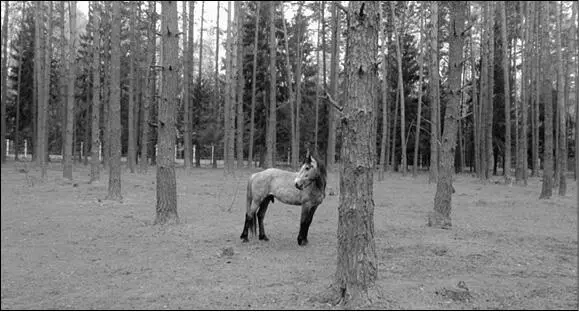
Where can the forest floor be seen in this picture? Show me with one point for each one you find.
(64, 246)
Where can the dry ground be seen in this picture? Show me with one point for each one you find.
(65, 247)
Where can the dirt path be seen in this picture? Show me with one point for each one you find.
(65, 247)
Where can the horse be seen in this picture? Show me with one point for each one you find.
(307, 188)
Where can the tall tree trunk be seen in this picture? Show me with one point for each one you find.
(317, 103)
(18, 97)
(538, 77)
(240, 82)
(394, 126)
(420, 75)
(253, 86)
(507, 92)
(107, 87)
(440, 217)
(228, 89)
(217, 83)
(546, 65)
(39, 55)
(477, 107)
(385, 90)
(574, 49)
(299, 77)
(63, 83)
(294, 154)
(166, 182)
(46, 90)
(434, 94)
(272, 123)
(198, 155)
(4, 81)
(331, 149)
(186, 110)
(357, 267)
(67, 169)
(114, 191)
(132, 83)
(150, 88)
(95, 146)
(561, 105)
(490, 92)
(397, 35)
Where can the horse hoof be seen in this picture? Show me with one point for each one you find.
(244, 239)
(263, 238)
(302, 242)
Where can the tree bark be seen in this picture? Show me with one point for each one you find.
(434, 94)
(397, 35)
(18, 104)
(294, 152)
(331, 148)
(507, 92)
(420, 77)
(440, 217)
(186, 74)
(357, 267)
(150, 88)
(491, 83)
(271, 125)
(317, 103)
(166, 181)
(198, 155)
(95, 147)
(253, 86)
(240, 82)
(67, 169)
(132, 83)
(114, 190)
(547, 186)
(4, 81)
(228, 90)
(385, 90)
(561, 105)
(217, 83)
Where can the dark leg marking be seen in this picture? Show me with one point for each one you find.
(306, 220)
(246, 228)
(261, 215)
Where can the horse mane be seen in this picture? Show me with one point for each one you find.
(320, 181)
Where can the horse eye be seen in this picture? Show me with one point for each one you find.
(307, 168)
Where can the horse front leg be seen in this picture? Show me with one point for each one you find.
(306, 220)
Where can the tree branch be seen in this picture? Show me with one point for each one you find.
(333, 102)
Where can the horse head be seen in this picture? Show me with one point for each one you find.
(311, 171)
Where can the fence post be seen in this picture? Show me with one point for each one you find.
(25, 149)
(212, 153)
(194, 149)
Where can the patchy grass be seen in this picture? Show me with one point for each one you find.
(65, 247)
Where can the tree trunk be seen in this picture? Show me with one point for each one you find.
(574, 49)
(294, 154)
(95, 147)
(132, 83)
(434, 94)
(166, 181)
(186, 75)
(63, 83)
(317, 105)
(299, 64)
(440, 217)
(253, 86)
(507, 92)
(394, 126)
(476, 108)
(561, 105)
(41, 92)
(535, 99)
(240, 82)
(385, 90)
(418, 118)
(228, 81)
(150, 88)
(18, 104)
(271, 125)
(114, 192)
(490, 99)
(547, 186)
(198, 155)
(397, 35)
(67, 169)
(4, 81)
(331, 149)
(216, 95)
(357, 267)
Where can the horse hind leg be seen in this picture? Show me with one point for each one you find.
(261, 215)
(250, 222)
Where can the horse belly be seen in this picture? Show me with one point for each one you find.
(288, 196)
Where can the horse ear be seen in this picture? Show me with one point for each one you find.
(313, 162)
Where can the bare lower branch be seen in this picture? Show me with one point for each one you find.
(333, 102)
